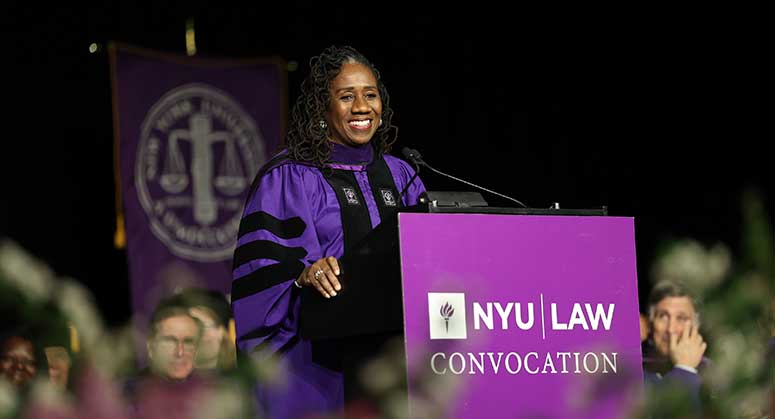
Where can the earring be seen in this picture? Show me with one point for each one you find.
(323, 124)
(380, 121)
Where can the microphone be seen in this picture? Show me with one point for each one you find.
(416, 158)
(412, 155)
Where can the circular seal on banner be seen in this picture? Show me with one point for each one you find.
(196, 157)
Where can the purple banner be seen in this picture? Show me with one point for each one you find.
(520, 316)
(191, 134)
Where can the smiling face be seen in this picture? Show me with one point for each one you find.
(17, 361)
(355, 107)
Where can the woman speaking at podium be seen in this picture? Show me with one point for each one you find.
(308, 205)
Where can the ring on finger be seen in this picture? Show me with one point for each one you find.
(318, 273)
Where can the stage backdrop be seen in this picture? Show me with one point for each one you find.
(516, 316)
(190, 134)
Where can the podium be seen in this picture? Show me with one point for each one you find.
(519, 309)
(355, 311)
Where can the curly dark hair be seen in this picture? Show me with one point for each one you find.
(307, 140)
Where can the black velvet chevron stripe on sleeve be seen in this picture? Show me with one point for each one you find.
(284, 229)
(265, 249)
(264, 278)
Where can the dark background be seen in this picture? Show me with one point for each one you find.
(648, 114)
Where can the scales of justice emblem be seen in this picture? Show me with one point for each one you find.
(196, 157)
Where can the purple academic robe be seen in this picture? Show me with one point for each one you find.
(293, 218)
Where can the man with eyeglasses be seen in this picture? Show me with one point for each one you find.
(168, 387)
(673, 355)
(173, 342)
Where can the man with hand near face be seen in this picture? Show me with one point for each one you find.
(673, 356)
(173, 342)
(169, 387)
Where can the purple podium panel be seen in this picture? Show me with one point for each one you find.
(520, 316)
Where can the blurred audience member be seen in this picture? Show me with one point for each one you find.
(55, 341)
(59, 363)
(645, 328)
(217, 350)
(19, 361)
(171, 387)
(168, 387)
(673, 354)
(173, 342)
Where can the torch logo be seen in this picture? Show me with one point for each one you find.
(446, 312)
(447, 315)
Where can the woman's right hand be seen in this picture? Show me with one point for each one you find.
(322, 275)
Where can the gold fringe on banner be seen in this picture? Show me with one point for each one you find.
(190, 37)
(75, 344)
(232, 331)
(119, 238)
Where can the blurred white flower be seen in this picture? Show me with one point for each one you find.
(47, 395)
(29, 275)
(423, 408)
(729, 350)
(76, 303)
(752, 403)
(115, 352)
(8, 399)
(438, 390)
(396, 405)
(223, 402)
(269, 369)
(753, 360)
(380, 375)
(691, 263)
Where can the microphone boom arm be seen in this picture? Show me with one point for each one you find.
(416, 172)
(470, 184)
